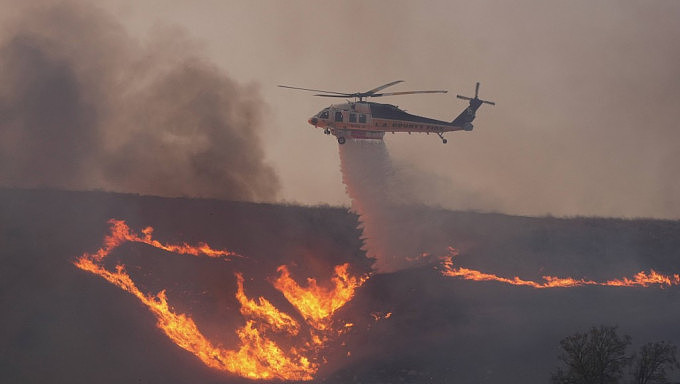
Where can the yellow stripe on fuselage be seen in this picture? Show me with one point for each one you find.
(386, 125)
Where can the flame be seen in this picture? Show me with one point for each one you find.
(641, 279)
(316, 304)
(257, 356)
(264, 310)
(121, 233)
(377, 316)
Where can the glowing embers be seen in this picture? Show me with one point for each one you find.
(258, 355)
(641, 279)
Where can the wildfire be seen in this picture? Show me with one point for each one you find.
(121, 233)
(264, 310)
(257, 356)
(316, 304)
(641, 279)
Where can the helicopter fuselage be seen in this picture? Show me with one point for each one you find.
(368, 120)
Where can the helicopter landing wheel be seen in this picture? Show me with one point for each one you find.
(444, 141)
(327, 131)
(341, 140)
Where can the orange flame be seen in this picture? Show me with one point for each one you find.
(257, 356)
(316, 304)
(121, 233)
(641, 279)
(265, 311)
(377, 316)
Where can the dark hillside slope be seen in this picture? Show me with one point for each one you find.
(61, 324)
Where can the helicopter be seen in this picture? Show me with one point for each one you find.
(361, 119)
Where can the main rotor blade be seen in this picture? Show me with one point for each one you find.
(374, 90)
(406, 93)
(316, 90)
(344, 95)
(464, 97)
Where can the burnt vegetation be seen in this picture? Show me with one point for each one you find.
(62, 324)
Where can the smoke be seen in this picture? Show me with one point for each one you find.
(380, 195)
(83, 106)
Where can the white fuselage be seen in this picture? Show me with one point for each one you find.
(358, 121)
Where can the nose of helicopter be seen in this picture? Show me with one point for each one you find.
(313, 121)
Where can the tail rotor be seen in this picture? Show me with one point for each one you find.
(476, 98)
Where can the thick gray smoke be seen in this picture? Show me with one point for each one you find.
(379, 195)
(83, 105)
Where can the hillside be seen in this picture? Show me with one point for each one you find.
(62, 324)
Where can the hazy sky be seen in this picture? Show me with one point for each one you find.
(587, 93)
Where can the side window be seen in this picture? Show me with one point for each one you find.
(352, 117)
(362, 119)
(338, 116)
(323, 114)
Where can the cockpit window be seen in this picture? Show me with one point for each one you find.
(323, 114)
(338, 116)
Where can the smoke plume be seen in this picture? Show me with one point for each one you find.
(83, 106)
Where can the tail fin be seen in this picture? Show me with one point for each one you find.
(466, 117)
